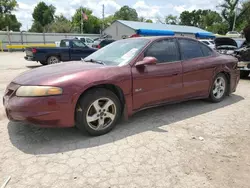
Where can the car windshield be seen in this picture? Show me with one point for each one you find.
(118, 53)
(239, 43)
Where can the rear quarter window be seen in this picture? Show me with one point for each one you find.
(190, 49)
(206, 50)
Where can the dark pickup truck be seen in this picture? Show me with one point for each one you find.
(70, 49)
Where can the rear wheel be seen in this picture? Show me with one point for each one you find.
(53, 60)
(244, 74)
(219, 88)
(98, 111)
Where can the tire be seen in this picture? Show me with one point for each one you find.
(92, 113)
(244, 74)
(43, 62)
(216, 94)
(53, 60)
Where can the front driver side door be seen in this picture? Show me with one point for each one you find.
(162, 82)
(79, 50)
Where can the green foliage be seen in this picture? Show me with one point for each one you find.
(7, 6)
(149, 21)
(60, 25)
(92, 25)
(170, 19)
(108, 20)
(228, 12)
(126, 13)
(142, 19)
(6, 16)
(205, 19)
(43, 15)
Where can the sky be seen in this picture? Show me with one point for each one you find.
(150, 9)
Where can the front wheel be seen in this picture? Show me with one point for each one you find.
(98, 111)
(219, 88)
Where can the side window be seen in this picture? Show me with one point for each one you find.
(190, 49)
(206, 50)
(82, 39)
(205, 42)
(64, 43)
(78, 44)
(164, 51)
(89, 40)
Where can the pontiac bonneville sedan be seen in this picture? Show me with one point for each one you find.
(118, 80)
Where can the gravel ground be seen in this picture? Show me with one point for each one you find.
(194, 144)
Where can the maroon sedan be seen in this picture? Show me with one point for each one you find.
(122, 78)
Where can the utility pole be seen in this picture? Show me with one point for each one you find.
(103, 15)
(81, 29)
(235, 14)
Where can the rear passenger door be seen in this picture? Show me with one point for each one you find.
(198, 67)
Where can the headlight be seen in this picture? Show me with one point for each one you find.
(38, 91)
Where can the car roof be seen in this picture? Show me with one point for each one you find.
(152, 38)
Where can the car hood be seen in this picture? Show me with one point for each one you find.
(53, 73)
(225, 41)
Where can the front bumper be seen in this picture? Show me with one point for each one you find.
(53, 111)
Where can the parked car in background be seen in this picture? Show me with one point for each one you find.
(208, 42)
(102, 42)
(233, 34)
(225, 45)
(70, 49)
(87, 40)
(237, 48)
(123, 78)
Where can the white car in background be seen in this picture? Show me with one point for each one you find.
(88, 41)
(208, 42)
(233, 34)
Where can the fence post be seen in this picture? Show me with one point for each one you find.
(1, 46)
(8, 34)
(44, 38)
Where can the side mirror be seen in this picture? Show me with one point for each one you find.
(146, 61)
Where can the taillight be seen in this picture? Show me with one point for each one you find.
(99, 46)
(34, 50)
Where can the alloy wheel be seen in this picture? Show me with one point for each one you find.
(219, 87)
(101, 113)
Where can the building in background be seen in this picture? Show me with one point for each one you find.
(121, 29)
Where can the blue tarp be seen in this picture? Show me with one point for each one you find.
(204, 35)
(149, 32)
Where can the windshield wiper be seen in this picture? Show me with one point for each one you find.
(94, 61)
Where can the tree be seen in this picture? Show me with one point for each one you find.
(43, 15)
(92, 25)
(244, 16)
(108, 20)
(60, 25)
(126, 13)
(142, 19)
(6, 16)
(149, 21)
(229, 9)
(170, 19)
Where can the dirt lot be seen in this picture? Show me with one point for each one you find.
(194, 144)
